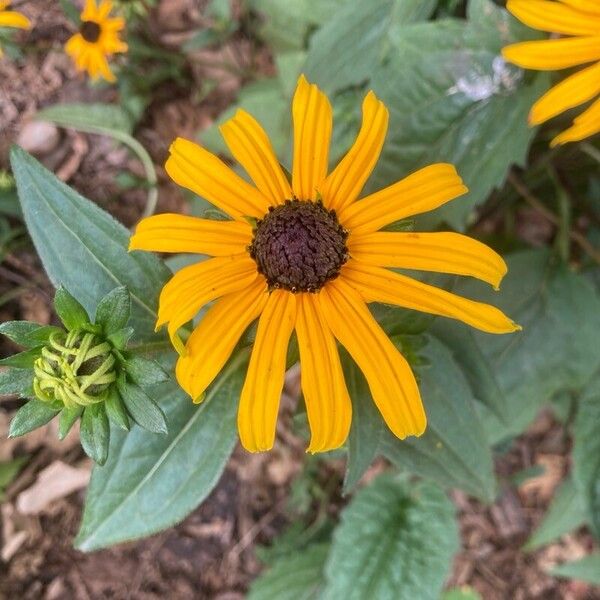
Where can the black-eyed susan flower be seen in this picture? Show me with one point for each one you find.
(308, 256)
(580, 21)
(11, 18)
(96, 40)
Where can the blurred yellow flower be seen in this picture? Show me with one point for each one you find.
(98, 38)
(306, 255)
(11, 18)
(580, 20)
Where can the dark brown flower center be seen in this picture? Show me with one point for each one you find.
(299, 246)
(90, 31)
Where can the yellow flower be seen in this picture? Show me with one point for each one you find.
(98, 38)
(307, 256)
(579, 19)
(10, 18)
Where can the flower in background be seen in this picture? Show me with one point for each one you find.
(97, 39)
(307, 256)
(11, 18)
(580, 20)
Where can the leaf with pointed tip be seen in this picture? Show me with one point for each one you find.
(143, 410)
(27, 334)
(30, 416)
(69, 310)
(113, 310)
(95, 433)
(67, 419)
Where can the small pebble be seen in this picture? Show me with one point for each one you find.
(39, 137)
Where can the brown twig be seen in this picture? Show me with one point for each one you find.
(538, 205)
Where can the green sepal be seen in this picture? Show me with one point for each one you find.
(144, 371)
(22, 360)
(143, 410)
(30, 416)
(16, 381)
(116, 411)
(120, 338)
(95, 433)
(27, 333)
(114, 310)
(67, 419)
(70, 311)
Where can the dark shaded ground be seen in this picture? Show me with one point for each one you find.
(212, 553)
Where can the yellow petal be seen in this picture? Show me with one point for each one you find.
(313, 121)
(90, 11)
(14, 19)
(252, 148)
(346, 181)
(196, 169)
(259, 401)
(584, 6)
(214, 339)
(548, 55)
(182, 233)
(104, 9)
(440, 252)
(194, 286)
(376, 284)
(554, 17)
(420, 192)
(389, 376)
(585, 125)
(326, 397)
(573, 91)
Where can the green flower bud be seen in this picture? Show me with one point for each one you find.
(76, 368)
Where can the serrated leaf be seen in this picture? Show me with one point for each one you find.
(143, 410)
(586, 452)
(30, 416)
(584, 569)
(84, 248)
(69, 310)
(94, 433)
(295, 577)
(558, 348)
(26, 333)
(67, 419)
(395, 541)
(116, 411)
(346, 50)
(367, 426)
(450, 94)
(113, 311)
(565, 513)
(16, 381)
(144, 371)
(454, 450)
(183, 466)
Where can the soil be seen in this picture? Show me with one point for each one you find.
(212, 554)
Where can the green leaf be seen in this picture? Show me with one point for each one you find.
(110, 120)
(145, 371)
(367, 426)
(8, 471)
(71, 12)
(67, 419)
(584, 569)
(346, 50)
(295, 577)
(22, 360)
(113, 310)
(16, 381)
(119, 339)
(26, 333)
(565, 513)
(116, 411)
(462, 593)
(454, 450)
(143, 410)
(395, 541)
(182, 467)
(69, 310)
(558, 348)
(30, 416)
(586, 452)
(95, 433)
(450, 94)
(84, 248)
